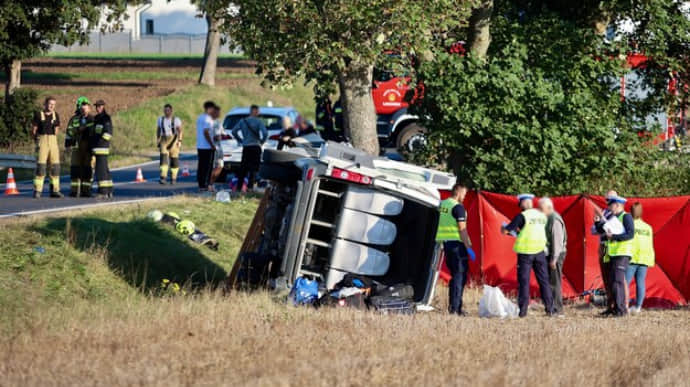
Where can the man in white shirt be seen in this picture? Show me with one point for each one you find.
(169, 139)
(205, 147)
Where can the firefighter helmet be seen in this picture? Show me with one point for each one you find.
(155, 215)
(185, 227)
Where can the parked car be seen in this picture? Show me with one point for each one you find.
(344, 211)
(272, 118)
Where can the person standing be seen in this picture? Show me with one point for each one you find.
(556, 242)
(324, 118)
(604, 264)
(457, 247)
(254, 134)
(620, 247)
(100, 148)
(169, 140)
(79, 130)
(338, 122)
(204, 146)
(530, 226)
(218, 135)
(44, 130)
(642, 258)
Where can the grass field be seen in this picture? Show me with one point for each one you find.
(84, 314)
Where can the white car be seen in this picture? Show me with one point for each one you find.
(272, 118)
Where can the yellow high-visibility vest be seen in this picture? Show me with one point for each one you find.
(644, 244)
(447, 225)
(532, 236)
(621, 248)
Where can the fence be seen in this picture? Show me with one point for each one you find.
(125, 43)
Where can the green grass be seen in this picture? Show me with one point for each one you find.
(131, 56)
(113, 254)
(135, 127)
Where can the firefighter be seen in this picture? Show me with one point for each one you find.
(338, 125)
(530, 245)
(169, 135)
(457, 247)
(100, 149)
(324, 118)
(45, 128)
(79, 130)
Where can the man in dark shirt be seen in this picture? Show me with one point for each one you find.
(457, 247)
(45, 128)
(620, 248)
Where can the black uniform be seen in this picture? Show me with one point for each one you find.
(100, 148)
(339, 126)
(78, 134)
(324, 119)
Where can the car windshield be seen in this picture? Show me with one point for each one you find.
(272, 122)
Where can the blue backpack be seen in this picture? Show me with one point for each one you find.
(304, 291)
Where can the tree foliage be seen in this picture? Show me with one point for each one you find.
(15, 117)
(543, 112)
(30, 27)
(337, 42)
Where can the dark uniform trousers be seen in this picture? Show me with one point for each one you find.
(619, 265)
(526, 262)
(605, 268)
(458, 265)
(103, 178)
(555, 277)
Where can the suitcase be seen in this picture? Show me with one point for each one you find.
(391, 305)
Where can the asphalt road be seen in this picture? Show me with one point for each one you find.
(126, 190)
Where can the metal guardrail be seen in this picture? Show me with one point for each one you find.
(8, 160)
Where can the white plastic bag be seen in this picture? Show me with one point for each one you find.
(223, 197)
(494, 304)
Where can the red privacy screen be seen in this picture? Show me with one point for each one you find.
(668, 282)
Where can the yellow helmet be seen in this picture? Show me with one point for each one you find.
(185, 227)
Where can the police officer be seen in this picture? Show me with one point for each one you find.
(100, 148)
(324, 118)
(169, 135)
(45, 128)
(79, 130)
(457, 247)
(643, 256)
(530, 226)
(620, 248)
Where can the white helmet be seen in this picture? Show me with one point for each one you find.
(155, 215)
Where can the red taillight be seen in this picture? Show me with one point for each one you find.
(310, 173)
(350, 176)
(275, 137)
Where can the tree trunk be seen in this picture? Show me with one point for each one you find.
(13, 71)
(208, 67)
(480, 33)
(359, 114)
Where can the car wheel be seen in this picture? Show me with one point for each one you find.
(281, 173)
(411, 139)
(272, 156)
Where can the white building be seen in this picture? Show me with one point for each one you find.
(164, 17)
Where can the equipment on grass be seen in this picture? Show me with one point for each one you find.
(185, 170)
(184, 227)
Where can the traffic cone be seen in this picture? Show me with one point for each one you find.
(11, 186)
(185, 170)
(140, 177)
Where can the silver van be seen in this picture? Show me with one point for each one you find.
(336, 210)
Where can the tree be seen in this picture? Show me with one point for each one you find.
(212, 11)
(542, 110)
(30, 27)
(339, 42)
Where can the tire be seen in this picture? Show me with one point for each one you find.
(281, 173)
(411, 139)
(272, 156)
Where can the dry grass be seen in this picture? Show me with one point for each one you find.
(257, 340)
(71, 318)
